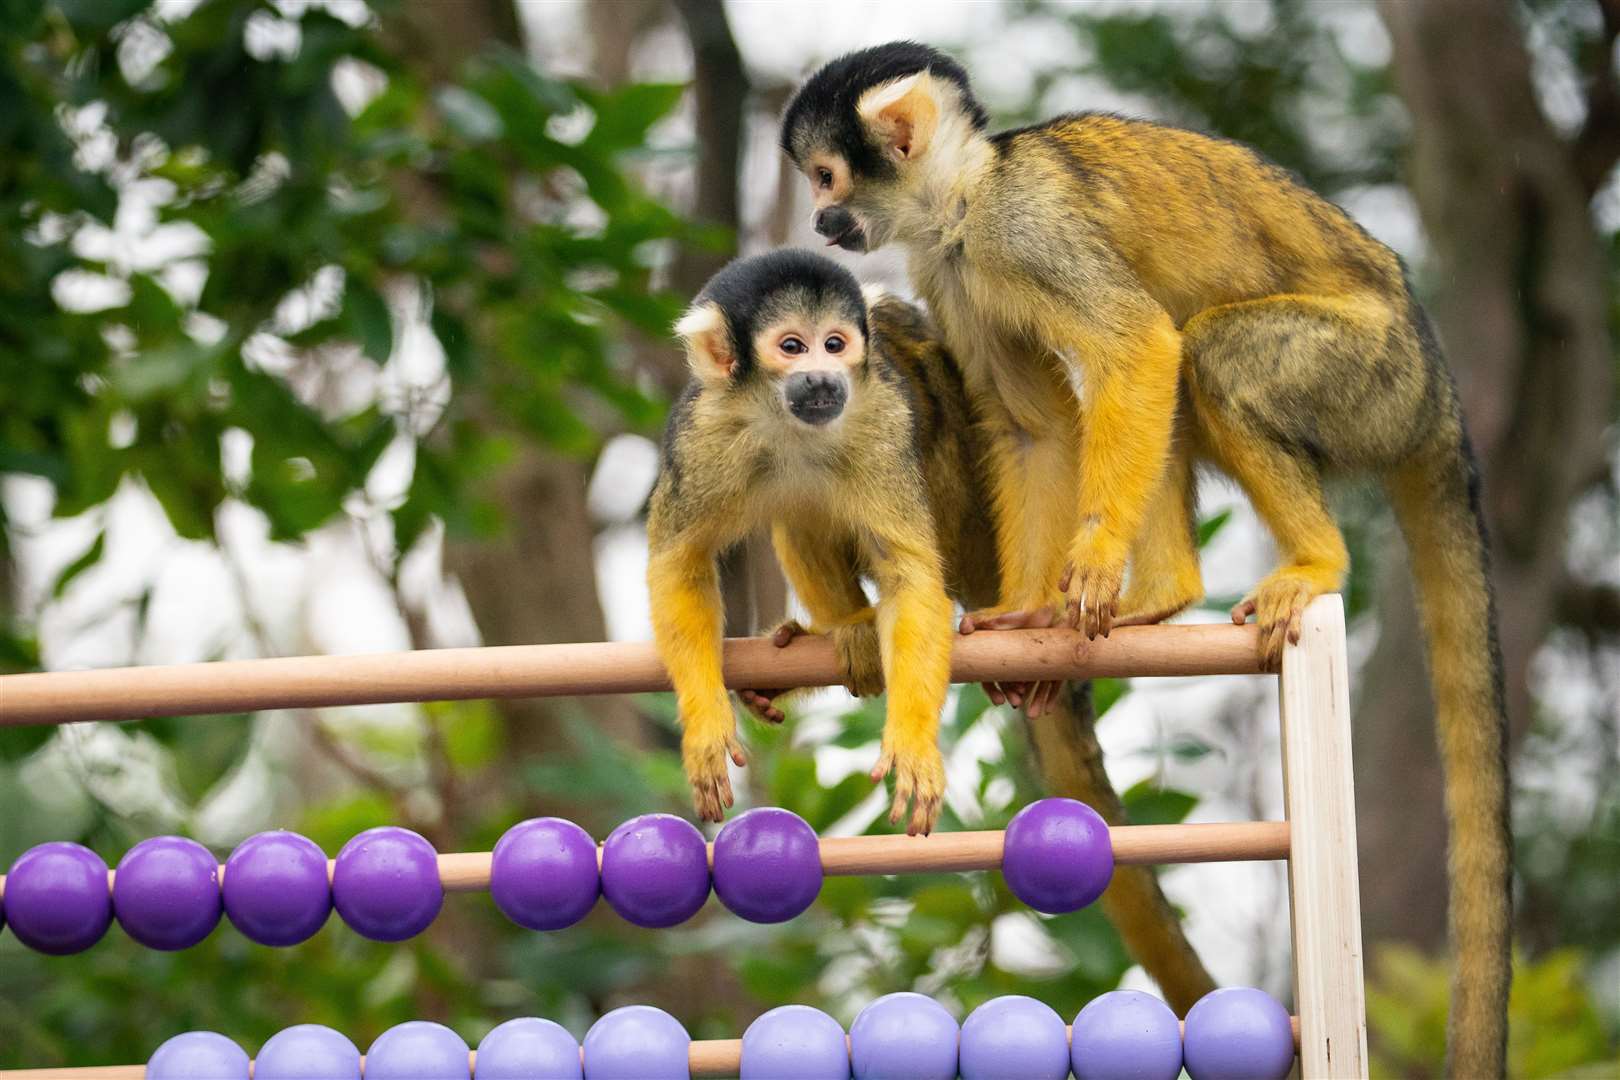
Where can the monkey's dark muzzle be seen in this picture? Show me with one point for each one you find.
(815, 397)
(840, 227)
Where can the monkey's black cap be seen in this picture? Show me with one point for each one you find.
(827, 99)
(750, 290)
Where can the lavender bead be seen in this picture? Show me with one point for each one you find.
(795, 1042)
(57, 898)
(1057, 855)
(1238, 1033)
(1014, 1038)
(1126, 1035)
(276, 890)
(166, 893)
(386, 884)
(543, 874)
(637, 1042)
(198, 1055)
(419, 1050)
(903, 1037)
(307, 1052)
(655, 870)
(767, 865)
(529, 1049)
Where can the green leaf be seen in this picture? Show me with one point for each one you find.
(1212, 525)
(469, 115)
(17, 743)
(91, 556)
(367, 319)
(1146, 803)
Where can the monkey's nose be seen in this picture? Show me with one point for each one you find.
(834, 221)
(816, 397)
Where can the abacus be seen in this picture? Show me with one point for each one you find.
(765, 865)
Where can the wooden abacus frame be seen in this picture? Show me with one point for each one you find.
(1318, 838)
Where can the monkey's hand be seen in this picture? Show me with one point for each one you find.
(1278, 605)
(1036, 698)
(919, 779)
(1091, 584)
(860, 664)
(705, 763)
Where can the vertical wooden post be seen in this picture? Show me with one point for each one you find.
(1319, 801)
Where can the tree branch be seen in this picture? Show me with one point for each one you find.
(1596, 147)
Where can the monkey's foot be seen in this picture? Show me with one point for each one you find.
(860, 659)
(1278, 606)
(919, 779)
(705, 762)
(1091, 585)
(1035, 616)
(762, 703)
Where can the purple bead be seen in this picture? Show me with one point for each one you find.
(1014, 1038)
(794, 1042)
(307, 1052)
(1126, 1035)
(57, 898)
(198, 1055)
(1058, 856)
(1238, 1033)
(655, 870)
(529, 1049)
(903, 1036)
(276, 888)
(543, 874)
(767, 865)
(637, 1042)
(166, 893)
(418, 1050)
(386, 884)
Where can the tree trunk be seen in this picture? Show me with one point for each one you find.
(1520, 304)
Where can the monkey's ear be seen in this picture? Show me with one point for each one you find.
(872, 292)
(903, 115)
(709, 351)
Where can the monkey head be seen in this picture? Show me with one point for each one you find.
(874, 129)
(786, 331)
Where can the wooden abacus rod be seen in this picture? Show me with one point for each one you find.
(707, 1057)
(234, 686)
(949, 852)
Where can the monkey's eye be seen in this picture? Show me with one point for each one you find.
(825, 176)
(835, 343)
(793, 346)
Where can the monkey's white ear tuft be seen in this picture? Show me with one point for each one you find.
(872, 292)
(709, 351)
(902, 114)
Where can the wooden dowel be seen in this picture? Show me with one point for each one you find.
(705, 1058)
(950, 852)
(233, 686)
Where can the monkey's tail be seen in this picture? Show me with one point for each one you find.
(1437, 502)
(1071, 765)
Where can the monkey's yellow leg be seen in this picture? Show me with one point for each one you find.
(825, 574)
(1286, 491)
(1034, 522)
(1165, 575)
(914, 633)
(688, 619)
(1128, 416)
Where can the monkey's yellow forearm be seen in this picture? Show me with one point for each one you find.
(688, 623)
(914, 632)
(1129, 415)
(1034, 526)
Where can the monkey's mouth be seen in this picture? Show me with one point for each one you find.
(851, 239)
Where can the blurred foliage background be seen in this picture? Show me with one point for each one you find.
(332, 325)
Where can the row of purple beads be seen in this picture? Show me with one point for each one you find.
(385, 884)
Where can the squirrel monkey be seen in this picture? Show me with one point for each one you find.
(1131, 297)
(839, 419)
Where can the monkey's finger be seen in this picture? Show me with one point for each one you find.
(993, 692)
(904, 787)
(923, 815)
(1242, 610)
(881, 769)
(787, 632)
(1068, 576)
(1296, 626)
